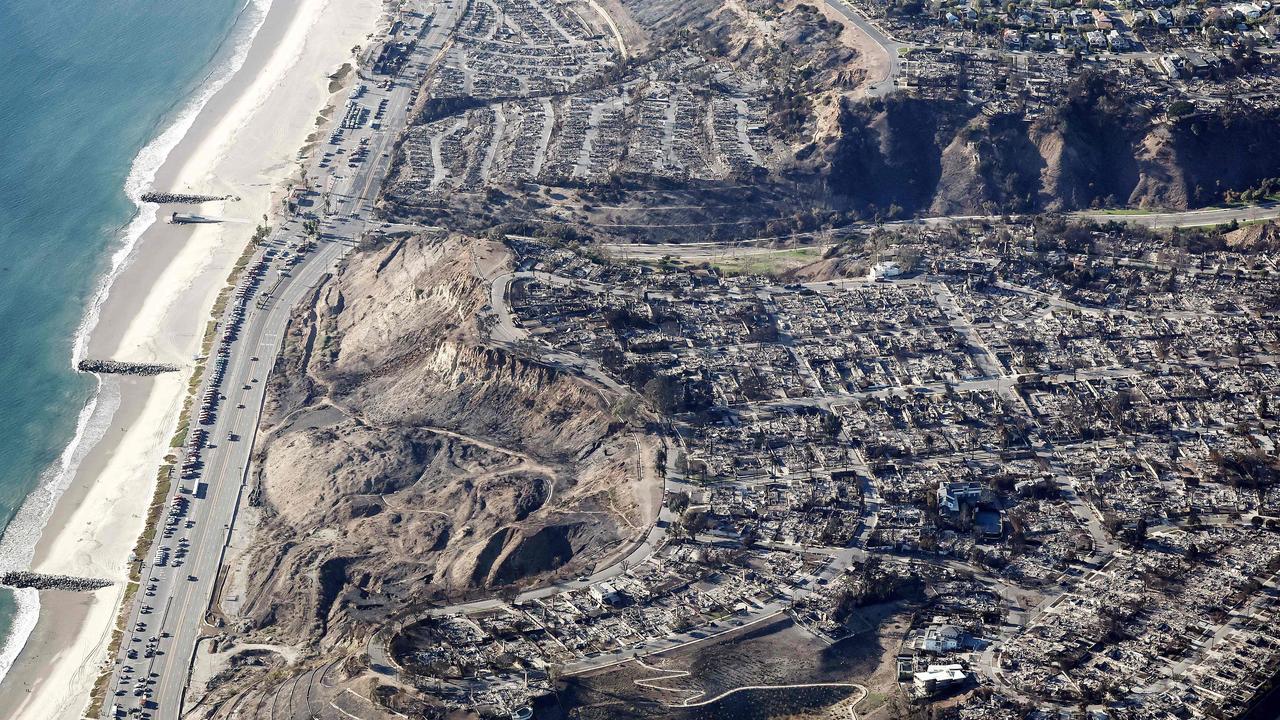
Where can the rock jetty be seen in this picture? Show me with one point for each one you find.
(40, 581)
(116, 367)
(179, 198)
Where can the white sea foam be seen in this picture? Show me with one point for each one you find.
(24, 621)
(17, 546)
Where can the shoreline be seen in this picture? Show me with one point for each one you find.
(243, 141)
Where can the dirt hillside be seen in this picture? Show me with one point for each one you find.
(403, 460)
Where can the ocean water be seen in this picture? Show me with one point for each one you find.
(93, 95)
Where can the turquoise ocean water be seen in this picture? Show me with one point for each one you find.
(87, 90)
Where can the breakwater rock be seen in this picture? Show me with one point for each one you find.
(116, 367)
(179, 198)
(40, 581)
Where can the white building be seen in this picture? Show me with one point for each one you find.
(940, 638)
(937, 677)
(604, 593)
(884, 271)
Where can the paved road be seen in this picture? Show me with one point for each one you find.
(1193, 218)
(821, 241)
(506, 332)
(883, 85)
(180, 593)
(169, 613)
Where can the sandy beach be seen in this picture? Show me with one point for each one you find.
(245, 142)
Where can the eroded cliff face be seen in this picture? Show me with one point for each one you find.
(991, 163)
(1193, 161)
(403, 460)
(908, 156)
(886, 154)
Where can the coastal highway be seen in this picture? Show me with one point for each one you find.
(171, 610)
(181, 593)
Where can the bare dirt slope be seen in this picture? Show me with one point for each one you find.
(402, 460)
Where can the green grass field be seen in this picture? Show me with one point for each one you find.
(767, 263)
